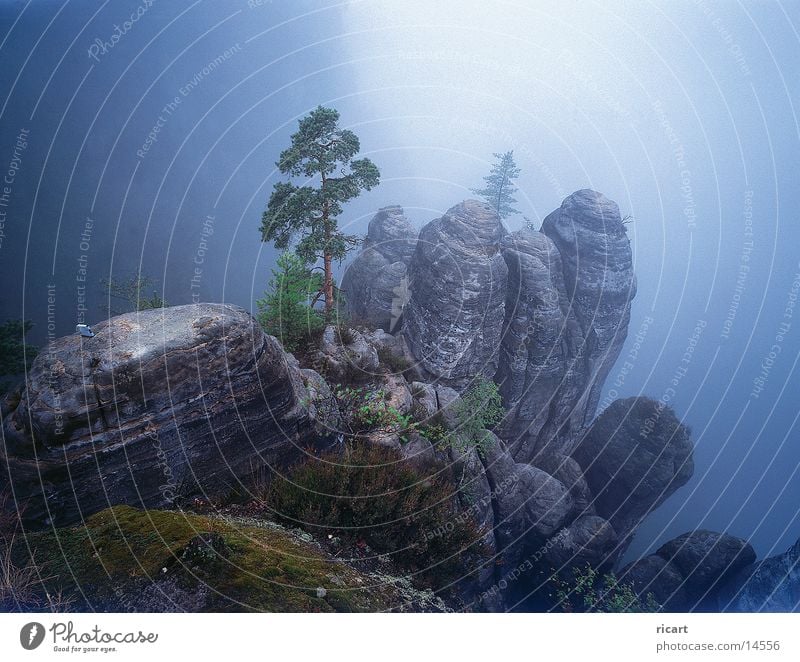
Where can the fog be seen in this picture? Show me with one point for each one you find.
(681, 111)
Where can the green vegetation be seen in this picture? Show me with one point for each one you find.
(130, 293)
(285, 311)
(319, 149)
(359, 410)
(15, 355)
(123, 554)
(478, 409)
(499, 190)
(396, 363)
(588, 591)
(369, 496)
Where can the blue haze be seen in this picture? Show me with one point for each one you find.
(684, 112)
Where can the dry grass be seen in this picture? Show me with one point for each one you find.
(22, 584)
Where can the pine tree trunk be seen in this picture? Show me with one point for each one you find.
(328, 286)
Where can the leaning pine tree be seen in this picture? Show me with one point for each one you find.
(323, 154)
(499, 190)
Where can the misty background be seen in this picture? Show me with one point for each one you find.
(684, 112)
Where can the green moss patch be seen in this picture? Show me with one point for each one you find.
(129, 559)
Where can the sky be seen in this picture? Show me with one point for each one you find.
(142, 135)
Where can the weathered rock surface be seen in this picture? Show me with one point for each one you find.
(530, 505)
(771, 585)
(634, 456)
(348, 356)
(588, 540)
(706, 558)
(656, 576)
(454, 318)
(600, 283)
(159, 404)
(375, 283)
(541, 371)
(569, 472)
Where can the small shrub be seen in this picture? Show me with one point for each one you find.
(364, 410)
(588, 591)
(478, 409)
(370, 496)
(395, 363)
(433, 428)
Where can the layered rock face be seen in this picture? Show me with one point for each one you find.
(375, 284)
(567, 313)
(598, 275)
(454, 318)
(634, 456)
(542, 371)
(159, 404)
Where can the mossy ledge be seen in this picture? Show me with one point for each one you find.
(124, 559)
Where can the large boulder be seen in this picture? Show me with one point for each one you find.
(530, 505)
(158, 405)
(375, 284)
(634, 456)
(589, 540)
(706, 559)
(655, 576)
(771, 585)
(454, 318)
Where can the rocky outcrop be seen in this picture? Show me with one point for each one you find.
(706, 558)
(687, 572)
(771, 585)
(158, 405)
(346, 355)
(454, 318)
(530, 506)
(597, 264)
(541, 369)
(634, 456)
(655, 576)
(568, 304)
(589, 540)
(375, 283)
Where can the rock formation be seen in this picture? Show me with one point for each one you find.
(530, 505)
(634, 456)
(169, 403)
(598, 275)
(652, 575)
(453, 321)
(687, 572)
(159, 404)
(771, 585)
(706, 558)
(567, 312)
(375, 285)
(541, 371)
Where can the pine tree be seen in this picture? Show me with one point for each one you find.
(323, 153)
(285, 311)
(500, 188)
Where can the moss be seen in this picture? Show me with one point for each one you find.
(122, 554)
